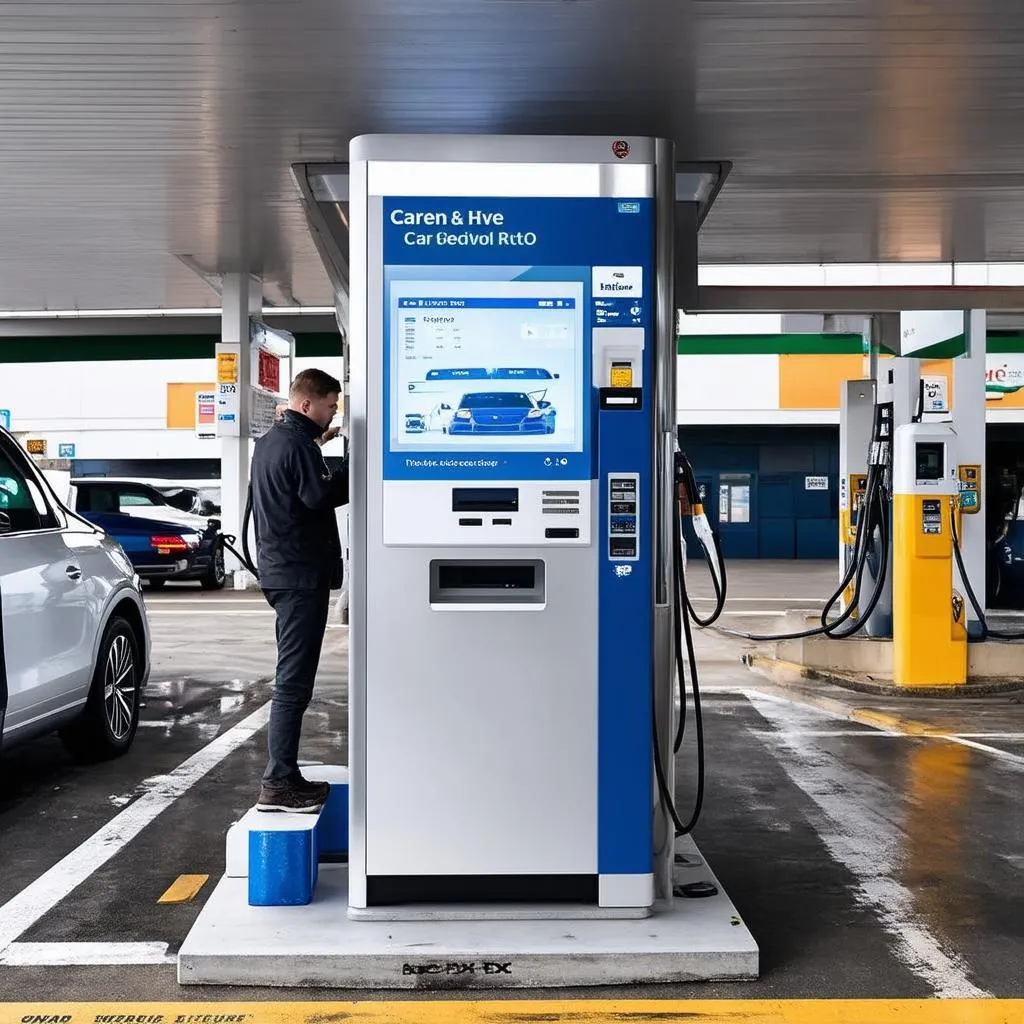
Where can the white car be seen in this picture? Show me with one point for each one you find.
(74, 636)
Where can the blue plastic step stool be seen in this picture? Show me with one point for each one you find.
(279, 853)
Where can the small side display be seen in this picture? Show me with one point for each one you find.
(623, 510)
(929, 460)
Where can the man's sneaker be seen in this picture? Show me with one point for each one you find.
(298, 800)
(304, 785)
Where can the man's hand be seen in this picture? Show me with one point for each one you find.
(330, 434)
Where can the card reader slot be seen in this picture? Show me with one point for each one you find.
(486, 581)
(485, 499)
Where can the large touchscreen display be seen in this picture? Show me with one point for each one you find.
(493, 366)
(488, 311)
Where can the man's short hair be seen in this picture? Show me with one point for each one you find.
(314, 384)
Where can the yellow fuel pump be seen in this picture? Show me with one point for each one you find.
(929, 616)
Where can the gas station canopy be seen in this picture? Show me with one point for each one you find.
(147, 148)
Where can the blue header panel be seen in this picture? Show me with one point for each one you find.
(489, 306)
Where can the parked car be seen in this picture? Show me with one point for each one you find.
(158, 551)
(106, 496)
(74, 637)
(1005, 575)
(502, 412)
(199, 498)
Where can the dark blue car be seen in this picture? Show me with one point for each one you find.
(1006, 567)
(157, 550)
(138, 513)
(502, 412)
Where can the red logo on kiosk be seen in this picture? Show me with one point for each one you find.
(620, 147)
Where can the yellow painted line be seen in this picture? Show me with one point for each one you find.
(895, 723)
(427, 1011)
(184, 889)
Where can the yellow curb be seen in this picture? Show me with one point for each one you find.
(895, 723)
(591, 1011)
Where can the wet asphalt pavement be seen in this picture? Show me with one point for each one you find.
(866, 863)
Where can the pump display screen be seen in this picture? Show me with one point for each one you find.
(929, 459)
(487, 366)
(489, 308)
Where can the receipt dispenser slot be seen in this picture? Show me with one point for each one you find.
(486, 581)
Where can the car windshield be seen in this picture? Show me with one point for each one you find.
(496, 400)
(183, 498)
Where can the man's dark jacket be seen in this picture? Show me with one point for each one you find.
(294, 496)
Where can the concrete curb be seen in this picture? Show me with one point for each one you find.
(980, 688)
(787, 676)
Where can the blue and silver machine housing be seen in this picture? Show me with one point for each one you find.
(512, 419)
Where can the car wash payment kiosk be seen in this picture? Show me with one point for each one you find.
(508, 440)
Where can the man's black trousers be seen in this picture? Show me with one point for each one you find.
(301, 624)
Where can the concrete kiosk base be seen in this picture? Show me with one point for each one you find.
(231, 943)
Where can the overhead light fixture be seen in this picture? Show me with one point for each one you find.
(700, 182)
(696, 182)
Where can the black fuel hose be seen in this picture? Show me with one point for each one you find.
(683, 633)
(245, 555)
(875, 502)
(986, 632)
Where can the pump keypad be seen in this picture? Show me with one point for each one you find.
(623, 516)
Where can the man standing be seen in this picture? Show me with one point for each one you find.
(299, 557)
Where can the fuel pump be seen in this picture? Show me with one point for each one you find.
(929, 615)
(869, 558)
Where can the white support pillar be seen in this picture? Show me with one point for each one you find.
(969, 421)
(241, 297)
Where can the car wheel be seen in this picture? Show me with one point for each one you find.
(108, 725)
(216, 576)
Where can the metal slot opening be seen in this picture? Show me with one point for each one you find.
(485, 499)
(486, 582)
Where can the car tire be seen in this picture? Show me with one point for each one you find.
(217, 575)
(110, 720)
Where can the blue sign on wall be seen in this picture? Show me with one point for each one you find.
(65, 451)
(5, 419)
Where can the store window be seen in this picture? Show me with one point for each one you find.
(734, 498)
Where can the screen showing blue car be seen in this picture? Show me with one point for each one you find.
(508, 413)
(487, 364)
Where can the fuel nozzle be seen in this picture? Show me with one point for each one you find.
(691, 505)
(687, 492)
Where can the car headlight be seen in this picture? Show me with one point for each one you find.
(463, 414)
(534, 413)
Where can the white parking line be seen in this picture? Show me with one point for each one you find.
(85, 954)
(36, 900)
(203, 611)
(762, 613)
(862, 833)
(769, 600)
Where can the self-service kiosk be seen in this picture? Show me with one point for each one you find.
(511, 507)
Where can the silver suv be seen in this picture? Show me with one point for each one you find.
(74, 636)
